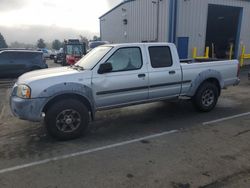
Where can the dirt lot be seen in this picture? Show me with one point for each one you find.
(154, 145)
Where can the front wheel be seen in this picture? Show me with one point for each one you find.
(67, 119)
(206, 97)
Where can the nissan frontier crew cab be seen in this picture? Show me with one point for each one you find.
(112, 76)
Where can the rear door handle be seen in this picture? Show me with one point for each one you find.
(141, 75)
(171, 72)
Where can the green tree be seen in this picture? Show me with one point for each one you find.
(2, 42)
(96, 38)
(41, 43)
(56, 44)
(84, 40)
(21, 45)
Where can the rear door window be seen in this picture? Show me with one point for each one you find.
(27, 57)
(18, 56)
(160, 56)
(33, 56)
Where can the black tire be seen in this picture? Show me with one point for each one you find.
(206, 97)
(67, 119)
(64, 63)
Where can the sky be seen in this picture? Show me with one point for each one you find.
(28, 20)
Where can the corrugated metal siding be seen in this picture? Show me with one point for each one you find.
(141, 17)
(112, 26)
(142, 22)
(164, 21)
(192, 21)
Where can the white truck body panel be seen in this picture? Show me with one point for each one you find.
(112, 89)
(227, 69)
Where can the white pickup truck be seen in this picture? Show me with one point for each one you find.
(118, 75)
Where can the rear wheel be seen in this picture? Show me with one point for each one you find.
(64, 63)
(206, 97)
(67, 119)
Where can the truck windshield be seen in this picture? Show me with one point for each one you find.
(93, 57)
(76, 50)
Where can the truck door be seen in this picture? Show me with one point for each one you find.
(164, 73)
(126, 83)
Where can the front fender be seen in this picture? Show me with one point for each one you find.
(205, 75)
(68, 88)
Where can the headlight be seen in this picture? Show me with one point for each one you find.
(23, 91)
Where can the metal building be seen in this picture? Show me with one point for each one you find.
(188, 23)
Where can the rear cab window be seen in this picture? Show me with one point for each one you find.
(160, 56)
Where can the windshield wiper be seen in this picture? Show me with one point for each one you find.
(77, 67)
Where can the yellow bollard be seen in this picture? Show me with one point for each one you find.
(194, 52)
(231, 52)
(207, 53)
(242, 56)
(200, 57)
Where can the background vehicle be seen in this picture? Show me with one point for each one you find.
(112, 76)
(59, 57)
(73, 51)
(46, 53)
(52, 54)
(14, 63)
(94, 44)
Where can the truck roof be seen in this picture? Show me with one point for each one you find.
(23, 51)
(140, 44)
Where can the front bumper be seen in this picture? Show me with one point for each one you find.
(27, 109)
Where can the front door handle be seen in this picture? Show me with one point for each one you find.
(141, 75)
(171, 72)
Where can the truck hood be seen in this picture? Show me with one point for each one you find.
(41, 80)
(47, 74)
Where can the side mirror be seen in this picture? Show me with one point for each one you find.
(105, 68)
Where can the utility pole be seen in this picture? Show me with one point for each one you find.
(157, 3)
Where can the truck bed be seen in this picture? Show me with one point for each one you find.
(226, 71)
(199, 60)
